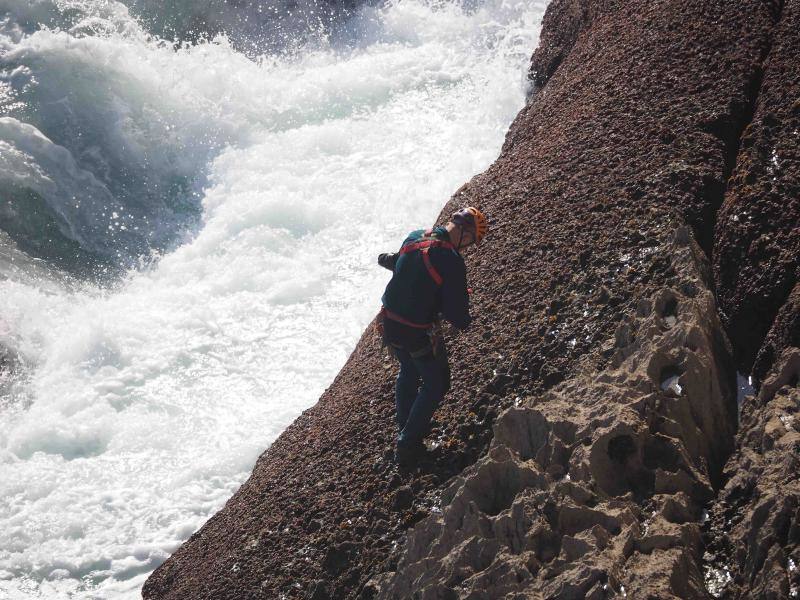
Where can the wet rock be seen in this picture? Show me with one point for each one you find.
(562, 24)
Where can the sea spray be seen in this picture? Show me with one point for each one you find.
(145, 399)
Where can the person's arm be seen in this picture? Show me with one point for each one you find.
(455, 298)
(388, 260)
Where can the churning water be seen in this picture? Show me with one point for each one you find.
(189, 242)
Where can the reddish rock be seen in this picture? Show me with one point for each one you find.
(755, 523)
(757, 240)
(784, 334)
(562, 24)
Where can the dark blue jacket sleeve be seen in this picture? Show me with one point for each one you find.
(388, 260)
(455, 299)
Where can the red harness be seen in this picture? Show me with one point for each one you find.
(385, 312)
(424, 246)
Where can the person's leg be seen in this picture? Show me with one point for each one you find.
(430, 394)
(405, 390)
(444, 364)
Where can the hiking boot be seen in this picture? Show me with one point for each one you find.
(408, 455)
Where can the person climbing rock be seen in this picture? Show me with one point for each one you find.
(429, 283)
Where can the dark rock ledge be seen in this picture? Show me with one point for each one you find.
(586, 302)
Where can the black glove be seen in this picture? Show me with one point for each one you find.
(388, 260)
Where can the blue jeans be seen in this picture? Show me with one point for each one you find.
(415, 404)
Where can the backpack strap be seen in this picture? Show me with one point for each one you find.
(424, 245)
(437, 279)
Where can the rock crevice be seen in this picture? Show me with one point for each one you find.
(754, 529)
(757, 237)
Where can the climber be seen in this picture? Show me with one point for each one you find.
(429, 280)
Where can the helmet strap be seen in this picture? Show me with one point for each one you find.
(459, 246)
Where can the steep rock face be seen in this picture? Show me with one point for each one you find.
(629, 137)
(562, 24)
(757, 241)
(753, 533)
(784, 333)
(755, 524)
(597, 487)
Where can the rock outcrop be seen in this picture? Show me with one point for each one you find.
(585, 304)
(755, 525)
(784, 333)
(757, 242)
(753, 532)
(597, 487)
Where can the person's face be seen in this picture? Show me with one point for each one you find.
(467, 237)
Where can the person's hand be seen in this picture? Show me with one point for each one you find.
(387, 260)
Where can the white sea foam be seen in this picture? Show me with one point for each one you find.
(140, 408)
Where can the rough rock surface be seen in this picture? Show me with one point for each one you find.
(755, 525)
(629, 135)
(561, 25)
(595, 488)
(757, 241)
(784, 333)
(753, 531)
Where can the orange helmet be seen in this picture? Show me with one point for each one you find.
(473, 219)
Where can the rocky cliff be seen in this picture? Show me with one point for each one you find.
(596, 487)
(644, 210)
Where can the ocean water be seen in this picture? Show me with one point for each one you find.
(188, 246)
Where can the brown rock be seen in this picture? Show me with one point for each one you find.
(755, 524)
(403, 498)
(784, 334)
(757, 239)
(623, 443)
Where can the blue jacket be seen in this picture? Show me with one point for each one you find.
(414, 295)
